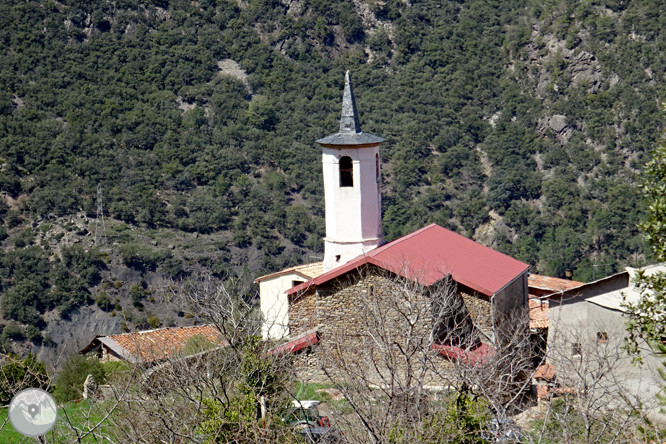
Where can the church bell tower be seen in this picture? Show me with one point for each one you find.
(351, 188)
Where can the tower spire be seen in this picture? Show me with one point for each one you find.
(350, 133)
(352, 188)
(349, 122)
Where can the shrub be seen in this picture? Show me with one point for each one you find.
(34, 334)
(19, 374)
(13, 331)
(154, 321)
(103, 302)
(69, 383)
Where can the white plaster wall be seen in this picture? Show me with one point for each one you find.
(353, 214)
(275, 305)
(577, 320)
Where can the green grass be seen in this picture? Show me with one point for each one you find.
(308, 391)
(75, 412)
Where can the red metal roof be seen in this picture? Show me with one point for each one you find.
(296, 345)
(429, 254)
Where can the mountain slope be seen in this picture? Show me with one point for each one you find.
(520, 123)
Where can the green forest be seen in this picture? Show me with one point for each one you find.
(521, 123)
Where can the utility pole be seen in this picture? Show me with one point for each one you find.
(100, 233)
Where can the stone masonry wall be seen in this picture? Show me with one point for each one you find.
(480, 310)
(358, 314)
(302, 313)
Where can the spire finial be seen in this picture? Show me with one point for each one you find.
(349, 120)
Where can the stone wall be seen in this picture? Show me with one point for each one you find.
(302, 313)
(480, 311)
(368, 322)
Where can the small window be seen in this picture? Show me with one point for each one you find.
(346, 172)
(576, 349)
(337, 258)
(295, 283)
(377, 165)
(602, 336)
(371, 290)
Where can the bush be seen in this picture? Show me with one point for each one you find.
(13, 331)
(103, 302)
(154, 321)
(34, 334)
(19, 374)
(69, 383)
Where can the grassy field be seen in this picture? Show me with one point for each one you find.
(76, 412)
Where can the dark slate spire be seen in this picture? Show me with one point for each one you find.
(350, 128)
(349, 120)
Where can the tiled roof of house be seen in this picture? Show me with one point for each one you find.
(551, 283)
(155, 345)
(545, 371)
(429, 254)
(308, 271)
(538, 314)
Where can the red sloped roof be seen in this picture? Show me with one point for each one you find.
(429, 254)
(296, 345)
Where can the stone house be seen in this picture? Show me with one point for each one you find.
(480, 289)
(151, 346)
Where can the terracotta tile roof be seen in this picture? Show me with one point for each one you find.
(538, 314)
(309, 271)
(545, 371)
(551, 284)
(154, 345)
(478, 355)
(429, 254)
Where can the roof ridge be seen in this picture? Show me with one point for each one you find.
(395, 242)
(156, 329)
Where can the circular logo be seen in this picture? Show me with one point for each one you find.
(33, 412)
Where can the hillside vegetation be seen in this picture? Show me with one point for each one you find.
(520, 123)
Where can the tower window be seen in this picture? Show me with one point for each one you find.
(346, 172)
(377, 165)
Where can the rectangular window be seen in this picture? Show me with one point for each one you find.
(295, 283)
(576, 349)
(602, 336)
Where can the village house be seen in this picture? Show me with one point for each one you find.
(587, 328)
(308, 305)
(151, 346)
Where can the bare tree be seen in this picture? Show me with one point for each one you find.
(389, 368)
(595, 397)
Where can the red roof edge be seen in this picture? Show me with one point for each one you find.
(472, 356)
(296, 344)
(336, 272)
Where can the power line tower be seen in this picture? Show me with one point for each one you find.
(100, 233)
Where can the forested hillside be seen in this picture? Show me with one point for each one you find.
(521, 123)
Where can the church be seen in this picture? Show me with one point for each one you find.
(305, 306)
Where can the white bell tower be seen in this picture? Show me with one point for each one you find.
(351, 188)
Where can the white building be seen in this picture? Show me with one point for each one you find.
(351, 167)
(586, 335)
(274, 301)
